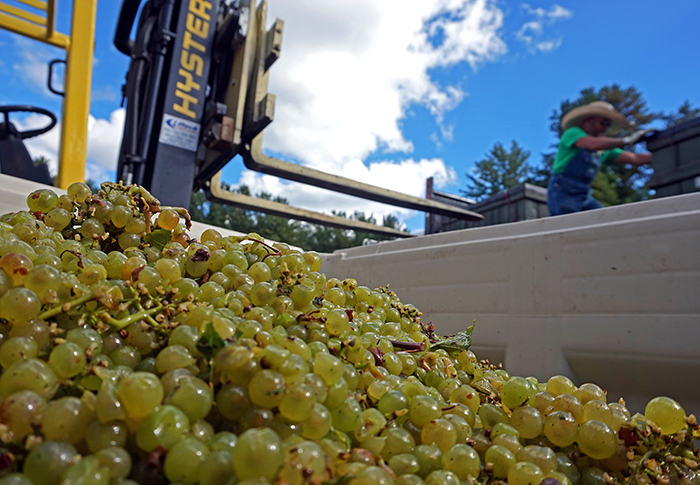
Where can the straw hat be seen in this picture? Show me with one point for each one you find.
(576, 116)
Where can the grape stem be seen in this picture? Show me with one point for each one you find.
(409, 346)
(140, 315)
(66, 306)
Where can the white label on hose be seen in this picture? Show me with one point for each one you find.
(179, 132)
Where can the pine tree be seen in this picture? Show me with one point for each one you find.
(501, 170)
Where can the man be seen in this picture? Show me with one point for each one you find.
(582, 149)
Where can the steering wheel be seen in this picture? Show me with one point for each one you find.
(6, 110)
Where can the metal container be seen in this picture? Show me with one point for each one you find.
(676, 161)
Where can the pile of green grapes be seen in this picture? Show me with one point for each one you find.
(131, 353)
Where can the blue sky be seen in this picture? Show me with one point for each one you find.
(395, 91)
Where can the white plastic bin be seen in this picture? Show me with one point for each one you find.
(609, 296)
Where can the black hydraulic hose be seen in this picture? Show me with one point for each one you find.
(134, 92)
(155, 77)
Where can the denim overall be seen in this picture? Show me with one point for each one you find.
(570, 191)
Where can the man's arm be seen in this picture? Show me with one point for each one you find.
(631, 158)
(596, 143)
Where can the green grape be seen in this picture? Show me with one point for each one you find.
(173, 357)
(17, 348)
(266, 389)
(491, 414)
(216, 468)
(297, 403)
(567, 467)
(303, 292)
(31, 375)
(423, 409)
(596, 440)
(263, 293)
(58, 218)
(430, 458)
(528, 421)
(440, 432)
(184, 459)
(257, 453)
(193, 396)
(597, 411)
(169, 269)
(560, 428)
(66, 419)
(404, 463)
(593, 476)
(462, 460)
(67, 360)
(569, 404)
(140, 393)
(543, 457)
(78, 191)
(42, 200)
(525, 473)
(16, 266)
(99, 436)
(398, 441)
(318, 424)
(92, 229)
(19, 305)
(391, 402)
(87, 471)
(46, 463)
(557, 385)
(186, 288)
(167, 219)
(559, 476)
(369, 423)
(36, 329)
(516, 392)
(666, 413)
(544, 403)
(345, 415)
(19, 410)
(165, 426)
(588, 392)
(126, 355)
(501, 458)
(116, 460)
(15, 479)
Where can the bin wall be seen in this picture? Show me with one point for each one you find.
(610, 296)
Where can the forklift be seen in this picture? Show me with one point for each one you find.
(196, 98)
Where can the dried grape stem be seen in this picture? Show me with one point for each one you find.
(409, 346)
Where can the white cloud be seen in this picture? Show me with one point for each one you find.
(348, 74)
(350, 69)
(532, 33)
(104, 138)
(32, 65)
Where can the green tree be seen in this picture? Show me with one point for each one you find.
(614, 184)
(501, 170)
(685, 112)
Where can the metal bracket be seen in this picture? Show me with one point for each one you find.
(216, 193)
(251, 109)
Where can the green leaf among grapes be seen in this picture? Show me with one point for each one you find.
(158, 238)
(455, 343)
(210, 342)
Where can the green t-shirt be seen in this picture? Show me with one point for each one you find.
(568, 149)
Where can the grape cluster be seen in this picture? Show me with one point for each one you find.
(132, 353)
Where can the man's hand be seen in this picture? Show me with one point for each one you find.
(635, 137)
